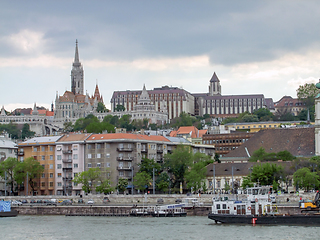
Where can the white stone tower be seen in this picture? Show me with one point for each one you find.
(77, 74)
(214, 87)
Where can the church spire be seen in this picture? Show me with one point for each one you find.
(76, 62)
(77, 83)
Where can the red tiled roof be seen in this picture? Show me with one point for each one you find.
(127, 136)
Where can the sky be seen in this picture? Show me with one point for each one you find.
(255, 47)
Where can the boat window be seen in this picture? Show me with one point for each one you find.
(224, 206)
(218, 206)
(255, 191)
(249, 191)
(264, 191)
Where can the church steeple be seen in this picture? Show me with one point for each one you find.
(77, 83)
(214, 87)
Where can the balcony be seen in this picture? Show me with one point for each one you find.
(126, 168)
(21, 153)
(159, 150)
(67, 186)
(69, 151)
(125, 149)
(144, 150)
(124, 158)
(67, 168)
(67, 178)
(67, 160)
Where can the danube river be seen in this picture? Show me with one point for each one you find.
(61, 227)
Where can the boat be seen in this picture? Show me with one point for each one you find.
(257, 210)
(5, 209)
(191, 203)
(171, 210)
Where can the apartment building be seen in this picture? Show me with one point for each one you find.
(41, 149)
(70, 151)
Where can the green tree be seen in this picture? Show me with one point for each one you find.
(104, 187)
(246, 182)
(285, 156)
(163, 182)
(119, 108)
(304, 178)
(26, 133)
(31, 169)
(267, 173)
(8, 168)
(263, 114)
(216, 158)
(147, 165)
(226, 186)
(82, 123)
(142, 180)
(177, 163)
(122, 184)
(67, 127)
(101, 107)
(306, 93)
(196, 175)
(88, 179)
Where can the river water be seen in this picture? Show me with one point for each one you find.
(61, 227)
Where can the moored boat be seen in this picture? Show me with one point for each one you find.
(172, 210)
(6, 211)
(257, 210)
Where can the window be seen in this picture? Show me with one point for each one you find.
(51, 157)
(89, 146)
(43, 166)
(59, 175)
(75, 174)
(75, 165)
(108, 155)
(51, 166)
(75, 184)
(59, 184)
(51, 184)
(43, 175)
(75, 147)
(58, 157)
(43, 149)
(108, 164)
(51, 148)
(121, 174)
(89, 155)
(98, 146)
(75, 156)
(58, 166)
(35, 149)
(98, 155)
(43, 157)
(43, 184)
(89, 165)
(21, 159)
(98, 165)
(51, 175)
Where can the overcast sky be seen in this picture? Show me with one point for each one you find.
(255, 47)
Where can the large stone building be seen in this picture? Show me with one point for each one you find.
(174, 100)
(215, 104)
(179, 100)
(73, 104)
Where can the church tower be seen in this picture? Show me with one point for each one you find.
(317, 122)
(77, 74)
(214, 87)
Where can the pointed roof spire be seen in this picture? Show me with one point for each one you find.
(214, 78)
(3, 112)
(35, 110)
(76, 56)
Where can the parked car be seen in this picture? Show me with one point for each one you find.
(39, 201)
(160, 201)
(90, 201)
(106, 200)
(66, 202)
(80, 201)
(178, 200)
(50, 202)
(24, 201)
(32, 201)
(16, 202)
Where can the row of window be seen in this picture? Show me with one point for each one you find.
(43, 149)
(225, 141)
(254, 126)
(99, 165)
(75, 157)
(98, 155)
